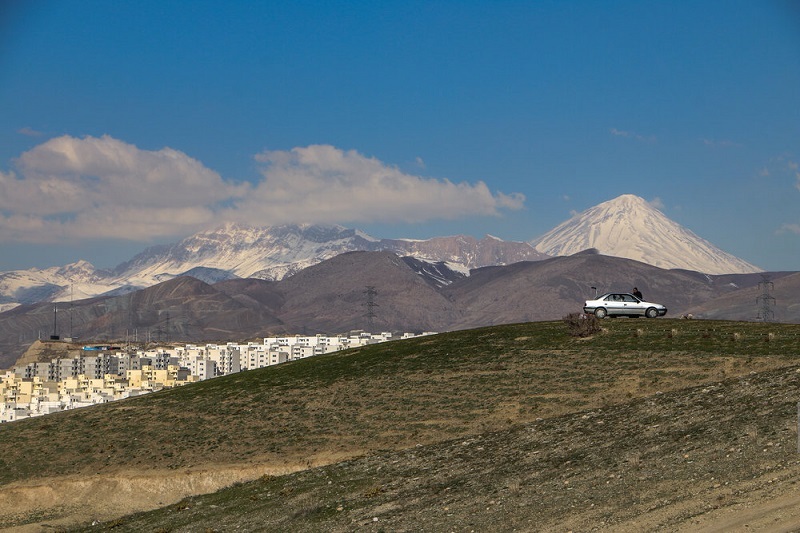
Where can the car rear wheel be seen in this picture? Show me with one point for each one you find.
(600, 312)
(651, 312)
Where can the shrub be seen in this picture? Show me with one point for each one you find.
(581, 324)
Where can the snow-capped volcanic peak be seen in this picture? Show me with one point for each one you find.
(628, 226)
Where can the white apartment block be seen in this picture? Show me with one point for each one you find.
(69, 383)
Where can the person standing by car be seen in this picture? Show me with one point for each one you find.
(638, 293)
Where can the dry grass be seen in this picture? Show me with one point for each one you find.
(393, 396)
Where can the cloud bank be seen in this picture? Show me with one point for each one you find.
(75, 189)
(322, 183)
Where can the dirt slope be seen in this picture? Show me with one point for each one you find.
(721, 457)
(521, 414)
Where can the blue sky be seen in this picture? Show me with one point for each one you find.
(125, 124)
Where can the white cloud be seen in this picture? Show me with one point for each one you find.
(791, 228)
(30, 132)
(69, 188)
(780, 167)
(321, 183)
(657, 203)
(794, 167)
(720, 143)
(632, 135)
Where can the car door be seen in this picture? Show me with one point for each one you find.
(632, 305)
(615, 304)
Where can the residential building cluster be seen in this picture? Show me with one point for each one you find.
(102, 374)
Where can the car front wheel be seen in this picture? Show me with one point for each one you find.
(651, 312)
(600, 312)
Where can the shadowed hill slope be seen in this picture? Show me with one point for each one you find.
(746, 304)
(183, 308)
(330, 298)
(543, 290)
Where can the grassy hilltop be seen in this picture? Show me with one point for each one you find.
(519, 426)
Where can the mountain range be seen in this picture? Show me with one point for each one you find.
(412, 295)
(626, 226)
(238, 251)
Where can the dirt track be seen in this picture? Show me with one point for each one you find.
(71, 500)
(770, 511)
(107, 497)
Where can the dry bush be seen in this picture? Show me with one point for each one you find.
(582, 325)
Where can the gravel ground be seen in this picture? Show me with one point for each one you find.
(719, 457)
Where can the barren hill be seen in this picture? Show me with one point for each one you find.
(747, 304)
(329, 297)
(681, 461)
(651, 425)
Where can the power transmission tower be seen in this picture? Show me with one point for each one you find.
(54, 336)
(71, 297)
(370, 305)
(766, 302)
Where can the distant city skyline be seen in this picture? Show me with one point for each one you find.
(128, 124)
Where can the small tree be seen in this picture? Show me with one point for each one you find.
(582, 325)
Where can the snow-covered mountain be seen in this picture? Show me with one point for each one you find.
(236, 250)
(245, 251)
(77, 280)
(629, 227)
(276, 252)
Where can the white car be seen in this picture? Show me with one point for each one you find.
(622, 304)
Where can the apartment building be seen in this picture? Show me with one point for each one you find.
(68, 383)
